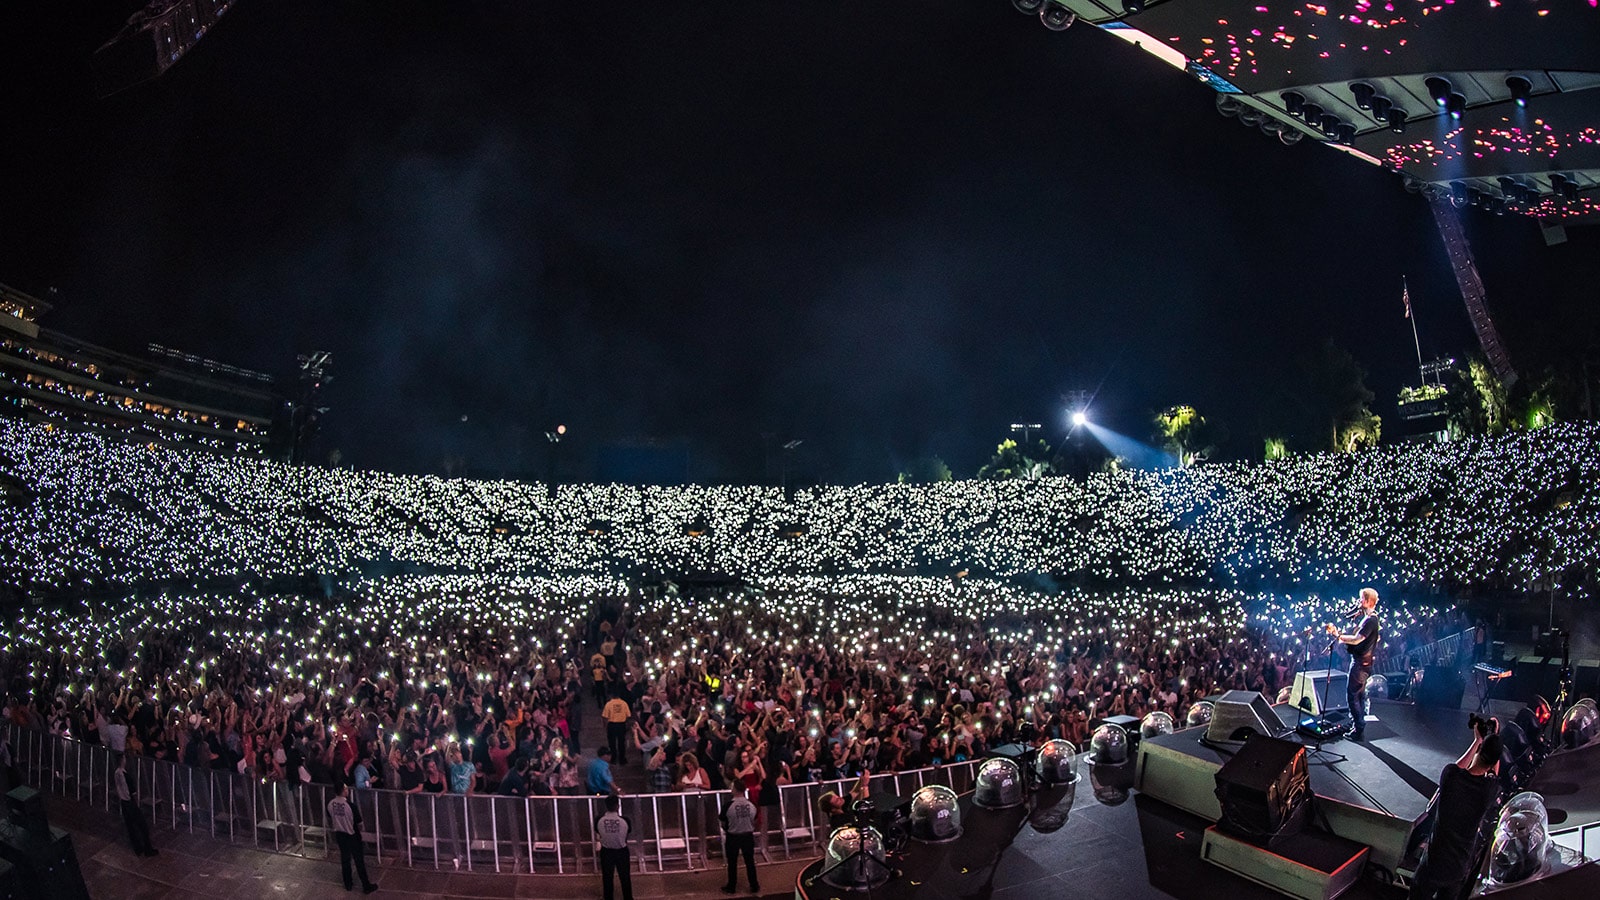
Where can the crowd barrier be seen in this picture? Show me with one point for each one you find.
(672, 832)
(1445, 651)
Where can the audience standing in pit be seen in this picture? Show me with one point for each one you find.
(739, 839)
(132, 815)
(614, 829)
(346, 821)
(1468, 788)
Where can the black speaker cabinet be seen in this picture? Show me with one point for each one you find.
(25, 809)
(1263, 788)
(1237, 714)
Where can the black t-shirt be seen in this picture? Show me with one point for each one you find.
(1368, 629)
(1464, 798)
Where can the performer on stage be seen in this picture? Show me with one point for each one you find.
(1362, 643)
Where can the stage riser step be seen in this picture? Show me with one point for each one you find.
(1310, 866)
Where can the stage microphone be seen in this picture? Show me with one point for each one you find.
(1354, 612)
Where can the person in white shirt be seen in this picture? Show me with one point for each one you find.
(345, 819)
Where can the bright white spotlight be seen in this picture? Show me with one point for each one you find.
(1079, 418)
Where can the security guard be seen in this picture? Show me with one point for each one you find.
(613, 830)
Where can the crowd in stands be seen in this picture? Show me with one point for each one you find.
(518, 612)
(85, 510)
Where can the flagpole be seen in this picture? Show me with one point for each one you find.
(1405, 294)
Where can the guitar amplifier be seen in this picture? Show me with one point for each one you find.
(1307, 693)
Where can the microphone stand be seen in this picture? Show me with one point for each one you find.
(1319, 733)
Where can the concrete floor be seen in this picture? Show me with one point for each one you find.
(196, 866)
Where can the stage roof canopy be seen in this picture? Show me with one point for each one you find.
(1490, 103)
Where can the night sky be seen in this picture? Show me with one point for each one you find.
(887, 229)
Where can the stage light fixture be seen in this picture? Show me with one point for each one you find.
(1456, 105)
(1364, 93)
(1521, 840)
(1250, 117)
(1055, 763)
(1294, 102)
(1346, 133)
(1313, 114)
(1056, 16)
(1155, 724)
(1397, 120)
(1458, 193)
(1330, 124)
(1108, 746)
(857, 858)
(999, 784)
(1079, 418)
(1521, 88)
(1581, 724)
(1439, 89)
(1474, 197)
(935, 814)
(1229, 105)
(1412, 186)
(1200, 714)
(1130, 7)
(1289, 136)
(1380, 108)
(1027, 6)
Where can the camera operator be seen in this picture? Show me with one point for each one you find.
(1468, 789)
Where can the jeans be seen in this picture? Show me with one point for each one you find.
(1360, 671)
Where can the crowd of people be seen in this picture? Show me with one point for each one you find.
(459, 632)
(81, 511)
(473, 684)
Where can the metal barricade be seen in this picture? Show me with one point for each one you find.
(677, 832)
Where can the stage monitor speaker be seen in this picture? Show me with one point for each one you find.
(1308, 690)
(1237, 714)
(25, 808)
(1441, 686)
(1263, 789)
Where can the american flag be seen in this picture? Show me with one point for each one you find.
(1405, 297)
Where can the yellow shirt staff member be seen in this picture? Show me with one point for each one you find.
(617, 713)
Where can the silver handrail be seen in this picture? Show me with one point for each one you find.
(674, 832)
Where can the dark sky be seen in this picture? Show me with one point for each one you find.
(887, 229)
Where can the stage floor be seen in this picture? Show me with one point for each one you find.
(1394, 771)
(1120, 844)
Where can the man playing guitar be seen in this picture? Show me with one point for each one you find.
(1362, 644)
